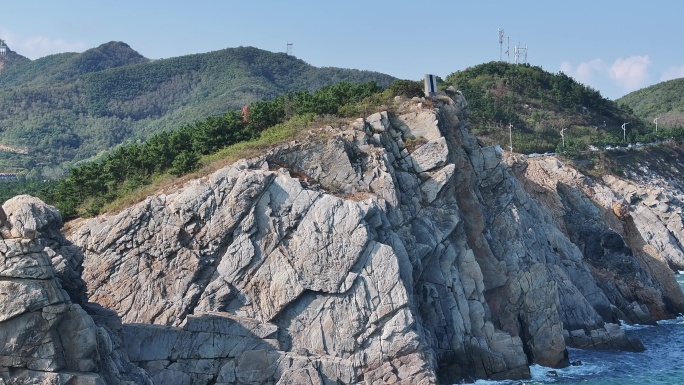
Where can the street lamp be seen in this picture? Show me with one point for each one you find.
(624, 131)
(563, 135)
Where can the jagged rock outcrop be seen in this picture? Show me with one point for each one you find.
(595, 215)
(657, 207)
(346, 257)
(46, 336)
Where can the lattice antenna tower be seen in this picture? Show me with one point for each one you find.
(516, 54)
(501, 36)
(3, 48)
(289, 49)
(520, 54)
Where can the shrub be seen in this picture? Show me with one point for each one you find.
(408, 88)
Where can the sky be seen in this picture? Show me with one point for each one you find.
(612, 46)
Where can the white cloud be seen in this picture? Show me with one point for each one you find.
(40, 46)
(35, 47)
(672, 73)
(631, 73)
(584, 72)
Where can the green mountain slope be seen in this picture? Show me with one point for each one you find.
(12, 59)
(63, 66)
(538, 104)
(68, 107)
(664, 100)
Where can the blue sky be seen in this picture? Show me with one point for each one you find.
(613, 46)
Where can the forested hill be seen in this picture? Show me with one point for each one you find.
(67, 107)
(56, 68)
(538, 104)
(664, 101)
(11, 59)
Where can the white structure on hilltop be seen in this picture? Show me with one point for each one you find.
(3, 48)
(430, 85)
(520, 54)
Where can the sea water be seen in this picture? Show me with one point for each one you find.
(661, 364)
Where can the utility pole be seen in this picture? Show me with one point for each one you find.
(656, 123)
(510, 136)
(624, 131)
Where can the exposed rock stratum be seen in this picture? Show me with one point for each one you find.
(394, 249)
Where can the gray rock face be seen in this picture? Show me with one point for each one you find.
(45, 336)
(354, 257)
(629, 270)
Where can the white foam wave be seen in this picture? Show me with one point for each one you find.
(491, 382)
(676, 321)
(545, 375)
(625, 326)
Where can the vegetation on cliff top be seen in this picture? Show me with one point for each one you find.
(89, 187)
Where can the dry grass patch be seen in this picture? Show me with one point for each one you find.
(298, 128)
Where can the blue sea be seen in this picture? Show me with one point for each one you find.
(661, 364)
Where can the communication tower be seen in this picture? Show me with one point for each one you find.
(520, 54)
(3, 48)
(289, 49)
(524, 54)
(501, 36)
(516, 54)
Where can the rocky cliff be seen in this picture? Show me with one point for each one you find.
(393, 249)
(48, 334)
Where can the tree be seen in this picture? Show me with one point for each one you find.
(407, 88)
(183, 163)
